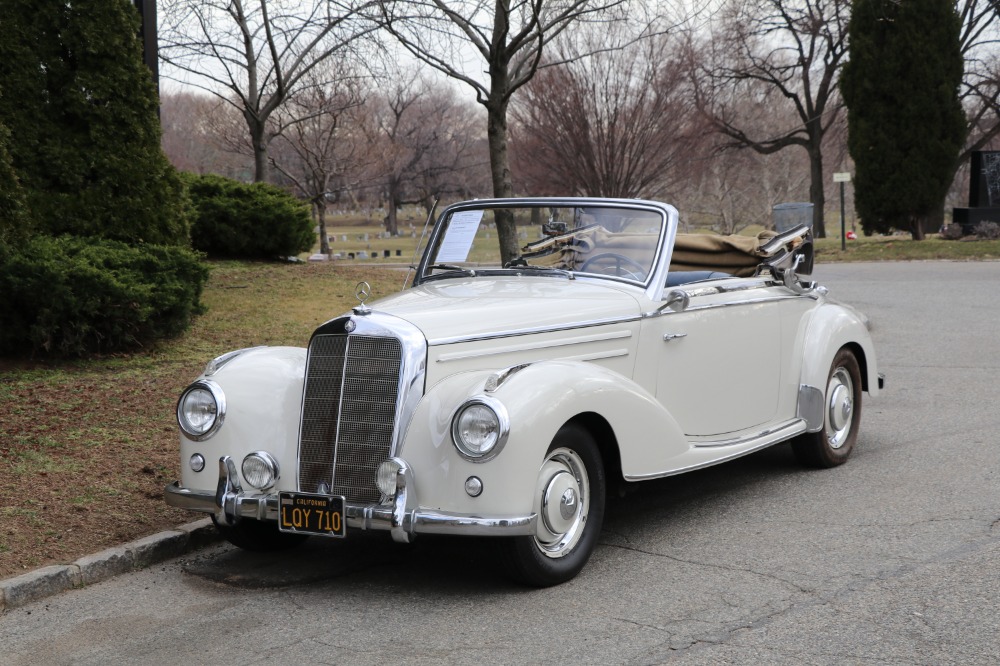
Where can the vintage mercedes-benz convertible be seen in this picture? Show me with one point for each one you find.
(503, 399)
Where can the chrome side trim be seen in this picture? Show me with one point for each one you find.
(767, 438)
(728, 304)
(566, 342)
(499, 335)
(746, 439)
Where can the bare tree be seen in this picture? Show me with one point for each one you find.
(509, 39)
(778, 53)
(191, 138)
(980, 92)
(416, 137)
(316, 152)
(254, 54)
(618, 123)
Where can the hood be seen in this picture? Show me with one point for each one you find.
(473, 307)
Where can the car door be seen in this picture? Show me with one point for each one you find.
(719, 364)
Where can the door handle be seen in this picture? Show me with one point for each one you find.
(667, 337)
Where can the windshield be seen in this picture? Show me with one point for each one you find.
(610, 241)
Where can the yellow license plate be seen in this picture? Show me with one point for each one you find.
(304, 513)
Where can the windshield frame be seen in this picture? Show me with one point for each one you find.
(652, 284)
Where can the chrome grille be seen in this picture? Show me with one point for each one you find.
(348, 414)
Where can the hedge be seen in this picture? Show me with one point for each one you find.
(72, 296)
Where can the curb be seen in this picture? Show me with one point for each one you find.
(90, 569)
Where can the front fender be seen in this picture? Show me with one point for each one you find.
(263, 390)
(539, 399)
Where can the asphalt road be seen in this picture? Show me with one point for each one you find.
(893, 558)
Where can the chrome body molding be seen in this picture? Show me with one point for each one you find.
(728, 304)
(230, 504)
(499, 335)
(742, 445)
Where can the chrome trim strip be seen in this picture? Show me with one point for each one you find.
(744, 439)
(769, 438)
(727, 304)
(596, 356)
(566, 342)
(499, 335)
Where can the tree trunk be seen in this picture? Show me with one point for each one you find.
(324, 241)
(258, 139)
(817, 195)
(391, 219)
(917, 227)
(503, 186)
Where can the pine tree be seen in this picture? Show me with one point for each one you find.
(905, 122)
(82, 111)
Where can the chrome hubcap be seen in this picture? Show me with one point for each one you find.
(563, 501)
(840, 407)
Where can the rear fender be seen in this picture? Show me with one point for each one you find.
(831, 328)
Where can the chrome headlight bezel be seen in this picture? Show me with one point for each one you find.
(268, 464)
(219, 399)
(500, 427)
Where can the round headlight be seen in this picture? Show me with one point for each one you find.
(479, 428)
(201, 410)
(260, 469)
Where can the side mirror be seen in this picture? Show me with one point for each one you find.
(677, 300)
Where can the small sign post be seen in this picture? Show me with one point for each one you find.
(842, 177)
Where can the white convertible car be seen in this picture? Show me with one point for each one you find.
(502, 399)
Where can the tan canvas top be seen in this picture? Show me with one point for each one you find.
(738, 255)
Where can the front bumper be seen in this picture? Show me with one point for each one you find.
(229, 504)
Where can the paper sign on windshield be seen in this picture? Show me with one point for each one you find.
(458, 239)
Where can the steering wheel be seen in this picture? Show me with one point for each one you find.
(611, 263)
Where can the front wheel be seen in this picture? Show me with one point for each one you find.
(258, 536)
(569, 501)
(832, 445)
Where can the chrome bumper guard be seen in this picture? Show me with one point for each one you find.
(229, 504)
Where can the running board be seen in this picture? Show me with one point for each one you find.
(743, 446)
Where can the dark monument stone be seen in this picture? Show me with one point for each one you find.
(984, 192)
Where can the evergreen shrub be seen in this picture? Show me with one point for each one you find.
(74, 296)
(247, 221)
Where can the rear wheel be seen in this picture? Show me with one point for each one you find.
(569, 501)
(832, 445)
(258, 536)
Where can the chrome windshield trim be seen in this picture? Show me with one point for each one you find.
(654, 283)
(498, 335)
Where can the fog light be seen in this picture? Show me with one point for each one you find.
(197, 462)
(260, 470)
(385, 478)
(474, 486)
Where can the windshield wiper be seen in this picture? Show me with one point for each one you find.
(548, 269)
